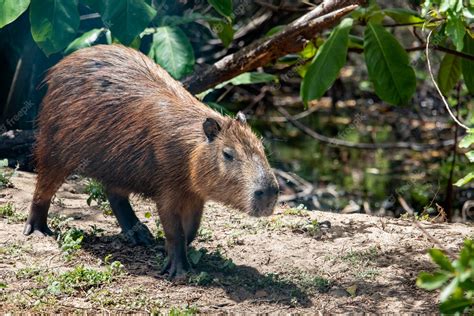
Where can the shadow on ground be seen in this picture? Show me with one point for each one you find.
(240, 282)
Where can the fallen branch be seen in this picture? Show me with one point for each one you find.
(290, 40)
(372, 146)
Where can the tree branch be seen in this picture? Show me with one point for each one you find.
(371, 146)
(290, 40)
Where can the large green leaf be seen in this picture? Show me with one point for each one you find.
(449, 73)
(10, 10)
(431, 282)
(54, 23)
(85, 40)
(455, 305)
(173, 51)
(388, 65)
(224, 7)
(327, 63)
(456, 29)
(464, 180)
(468, 65)
(125, 18)
(467, 140)
(440, 258)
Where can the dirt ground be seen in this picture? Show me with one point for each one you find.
(293, 261)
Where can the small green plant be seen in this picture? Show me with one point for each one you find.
(204, 234)
(82, 278)
(360, 257)
(8, 211)
(423, 217)
(203, 279)
(70, 241)
(187, 311)
(96, 193)
(160, 233)
(300, 210)
(454, 278)
(5, 175)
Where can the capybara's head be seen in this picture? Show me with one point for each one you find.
(231, 167)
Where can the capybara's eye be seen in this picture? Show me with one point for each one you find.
(228, 154)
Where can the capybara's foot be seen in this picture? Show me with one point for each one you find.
(32, 226)
(139, 234)
(175, 268)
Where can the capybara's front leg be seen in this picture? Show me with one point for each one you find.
(177, 261)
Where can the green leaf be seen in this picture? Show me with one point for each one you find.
(441, 259)
(470, 155)
(147, 215)
(455, 29)
(455, 305)
(10, 10)
(85, 40)
(467, 140)
(125, 18)
(403, 16)
(250, 78)
(448, 290)
(327, 63)
(449, 73)
(224, 7)
(245, 78)
(464, 180)
(172, 50)
(194, 256)
(224, 30)
(468, 65)
(388, 65)
(274, 30)
(54, 23)
(431, 282)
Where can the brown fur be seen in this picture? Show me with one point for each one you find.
(112, 114)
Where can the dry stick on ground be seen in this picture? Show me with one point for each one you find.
(290, 40)
(433, 239)
(372, 146)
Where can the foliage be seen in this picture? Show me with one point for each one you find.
(8, 211)
(55, 24)
(70, 241)
(467, 142)
(456, 278)
(82, 278)
(334, 49)
(96, 193)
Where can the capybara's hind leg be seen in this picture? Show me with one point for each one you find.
(134, 231)
(46, 187)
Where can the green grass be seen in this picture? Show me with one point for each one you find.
(82, 278)
(9, 212)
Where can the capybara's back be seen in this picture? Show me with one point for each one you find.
(112, 114)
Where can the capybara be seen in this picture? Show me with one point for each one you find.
(112, 114)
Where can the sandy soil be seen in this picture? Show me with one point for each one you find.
(284, 263)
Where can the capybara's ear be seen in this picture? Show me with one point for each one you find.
(211, 128)
(240, 117)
